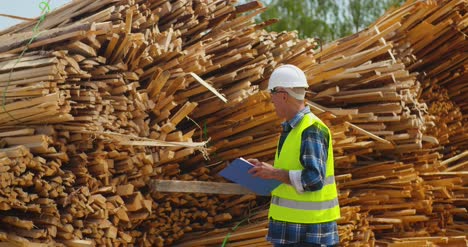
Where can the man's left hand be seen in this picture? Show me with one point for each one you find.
(267, 171)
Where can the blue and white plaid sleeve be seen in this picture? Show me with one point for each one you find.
(314, 154)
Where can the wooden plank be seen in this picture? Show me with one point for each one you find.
(205, 84)
(197, 187)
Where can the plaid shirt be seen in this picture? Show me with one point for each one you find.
(314, 154)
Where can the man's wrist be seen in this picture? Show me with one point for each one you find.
(282, 175)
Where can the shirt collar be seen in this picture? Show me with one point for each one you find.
(287, 125)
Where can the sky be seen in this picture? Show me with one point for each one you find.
(24, 8)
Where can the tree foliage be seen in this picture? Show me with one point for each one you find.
(325, 19)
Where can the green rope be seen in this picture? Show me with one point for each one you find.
(45, 8)
(226, 239)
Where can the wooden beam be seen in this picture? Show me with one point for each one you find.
(157, 185)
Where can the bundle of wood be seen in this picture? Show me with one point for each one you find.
(115, 82)
(130, 90)
(450, 129)
(32, 186)
(410, 204)
(360, 73)
(109, 82)
(448, 184)
(370, 82)
(431, 39)
(38, 77)
(430, 42)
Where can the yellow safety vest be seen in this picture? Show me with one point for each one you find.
(309, 207)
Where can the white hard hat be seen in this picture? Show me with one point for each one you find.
(287, 76)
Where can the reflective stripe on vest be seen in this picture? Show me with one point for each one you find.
(304, 205)
(329, 180)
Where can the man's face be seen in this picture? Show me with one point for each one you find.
(279, 98)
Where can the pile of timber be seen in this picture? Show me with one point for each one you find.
(409, 195)
(130, 91)
(413, 194)
(112, 85)
(114, 82)
(431, 42)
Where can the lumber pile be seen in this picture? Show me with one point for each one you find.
(430, 42)
(30, 185)
(113, 95)
(47, 100)
(115, 87)
(450, 129)
(411, 195)
(364, 80)
(109, 86)
(362, 74)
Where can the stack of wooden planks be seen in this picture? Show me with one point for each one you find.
(405, 196)
(114, 82)
(432, 39)
(38, 77)
(430, 42)
(112, 95)
(114, 87)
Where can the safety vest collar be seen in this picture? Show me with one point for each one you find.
(304, 205)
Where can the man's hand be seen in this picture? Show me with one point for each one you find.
(263, 170)
(267, 171)
(254, 162)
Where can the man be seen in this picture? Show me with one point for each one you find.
(304, 208)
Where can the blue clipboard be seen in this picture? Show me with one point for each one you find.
(237, 172)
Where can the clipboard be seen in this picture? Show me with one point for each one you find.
(237, 171)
